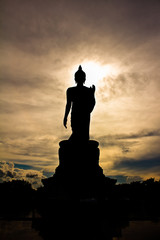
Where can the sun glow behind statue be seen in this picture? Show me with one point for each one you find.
(95, 72)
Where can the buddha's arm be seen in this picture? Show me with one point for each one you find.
(67, 110)
(93, 101)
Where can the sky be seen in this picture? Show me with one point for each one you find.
(42, 43)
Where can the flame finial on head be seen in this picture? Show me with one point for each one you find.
(80, 68)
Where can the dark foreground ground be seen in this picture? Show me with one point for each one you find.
(128, 212)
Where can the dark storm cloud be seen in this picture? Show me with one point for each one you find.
(39, 26)
(2, 174)
(31, 175)
(23, 166)
(140, 166)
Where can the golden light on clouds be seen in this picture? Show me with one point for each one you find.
(96, 72)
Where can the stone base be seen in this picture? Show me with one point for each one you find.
(79, 172)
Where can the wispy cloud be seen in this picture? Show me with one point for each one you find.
(141, 134)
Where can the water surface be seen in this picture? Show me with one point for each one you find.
(134, 230)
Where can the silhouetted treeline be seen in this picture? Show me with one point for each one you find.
(146, 190)
(19, 196)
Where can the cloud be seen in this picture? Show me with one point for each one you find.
(141, 134)
(126, 179)
(142, 166)
(9, 172)
(126, 84)
(34, 150)
(131, 154)
(118, 139)
(130, 84)
(28, 25)
(119, 178)
(31, 175)
(134, 179)
(109, 141)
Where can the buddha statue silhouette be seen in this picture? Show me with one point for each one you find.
(81, 101)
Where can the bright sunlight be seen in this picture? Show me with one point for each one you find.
(95, 72)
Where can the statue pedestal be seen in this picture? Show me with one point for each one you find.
(79, 158)
(79, 173)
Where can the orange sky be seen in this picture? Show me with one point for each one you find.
(42, 44)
